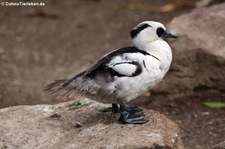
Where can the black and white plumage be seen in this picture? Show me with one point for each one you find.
(125, 73)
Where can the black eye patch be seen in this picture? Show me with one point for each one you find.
(160, 31)
(138, 29)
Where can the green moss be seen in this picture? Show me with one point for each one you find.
(79, 103)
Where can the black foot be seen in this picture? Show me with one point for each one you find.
(125, 118)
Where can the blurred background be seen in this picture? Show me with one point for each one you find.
(58, 40)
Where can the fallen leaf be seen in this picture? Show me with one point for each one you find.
(214, 104)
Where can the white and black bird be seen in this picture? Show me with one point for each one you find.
(123, 74)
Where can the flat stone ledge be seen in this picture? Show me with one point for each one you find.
(56, 126)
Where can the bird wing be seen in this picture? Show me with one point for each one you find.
(125, 68)
(115, 65)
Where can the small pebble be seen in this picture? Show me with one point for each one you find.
(205, 113)
(77, 125)
(55, 116)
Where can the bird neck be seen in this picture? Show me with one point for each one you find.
(160, 49)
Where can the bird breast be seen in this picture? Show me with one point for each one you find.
(128, 88)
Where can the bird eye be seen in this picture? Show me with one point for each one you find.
(160, 31)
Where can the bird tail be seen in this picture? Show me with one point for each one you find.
(64, 87)
(57, 86)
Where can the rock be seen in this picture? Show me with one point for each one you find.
(221, 145)
(199, 55)
(55, 126)
(198, 31)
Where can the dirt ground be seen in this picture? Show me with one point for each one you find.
(201, 127)
(58, 40)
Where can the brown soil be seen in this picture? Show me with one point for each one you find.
(201, 127)
(41, 44)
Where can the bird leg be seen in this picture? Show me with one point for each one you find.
(130, 110)
(115, 108)
(128, 118)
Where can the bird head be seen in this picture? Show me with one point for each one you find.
(149, 31)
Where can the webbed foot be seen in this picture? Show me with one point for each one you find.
(133, 110)
(125, 118)
(130, 110)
